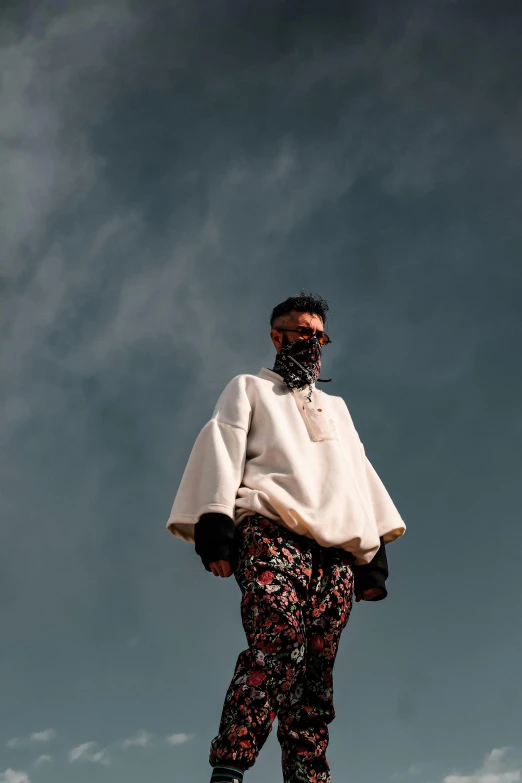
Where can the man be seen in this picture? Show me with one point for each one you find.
(278, 490)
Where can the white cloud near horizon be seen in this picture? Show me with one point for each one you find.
(38, 736)
(413, 769)
(498, 767)
(179, 739)
(14, 776)
(44, 736)
(139, 740)
(43, 759)
(88, 751)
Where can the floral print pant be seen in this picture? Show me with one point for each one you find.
(296, 600)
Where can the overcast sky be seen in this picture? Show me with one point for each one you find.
(169, 172)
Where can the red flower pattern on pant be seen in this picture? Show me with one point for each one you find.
(296, 600)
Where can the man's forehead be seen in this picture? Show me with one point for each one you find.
(303, 319)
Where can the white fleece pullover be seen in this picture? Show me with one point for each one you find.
(268, 450)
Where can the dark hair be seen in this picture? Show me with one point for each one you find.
(315, 305)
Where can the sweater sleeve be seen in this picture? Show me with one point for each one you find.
(374, 574)
(215, 468)
(214, 537)
(389, 522)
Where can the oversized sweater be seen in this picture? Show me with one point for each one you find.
(268, 450)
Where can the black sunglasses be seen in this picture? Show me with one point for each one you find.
(307, 332)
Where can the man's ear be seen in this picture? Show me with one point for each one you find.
(277, 339)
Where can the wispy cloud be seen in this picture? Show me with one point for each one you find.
(499, 766)
(412, 770)
(43, 759)
(44, 736)
(13, 776)
(271, 195)
(139, 740)
(36, 737)
(88, 751)
(45, 154)
(38, 161)
(179, 739)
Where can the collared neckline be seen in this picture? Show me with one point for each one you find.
(270, 375)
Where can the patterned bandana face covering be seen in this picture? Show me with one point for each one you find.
(299, 364)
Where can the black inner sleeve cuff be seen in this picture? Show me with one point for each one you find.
(374, 574)
(214, 539)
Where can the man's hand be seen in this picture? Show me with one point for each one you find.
(221, 568)
(368, 595)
